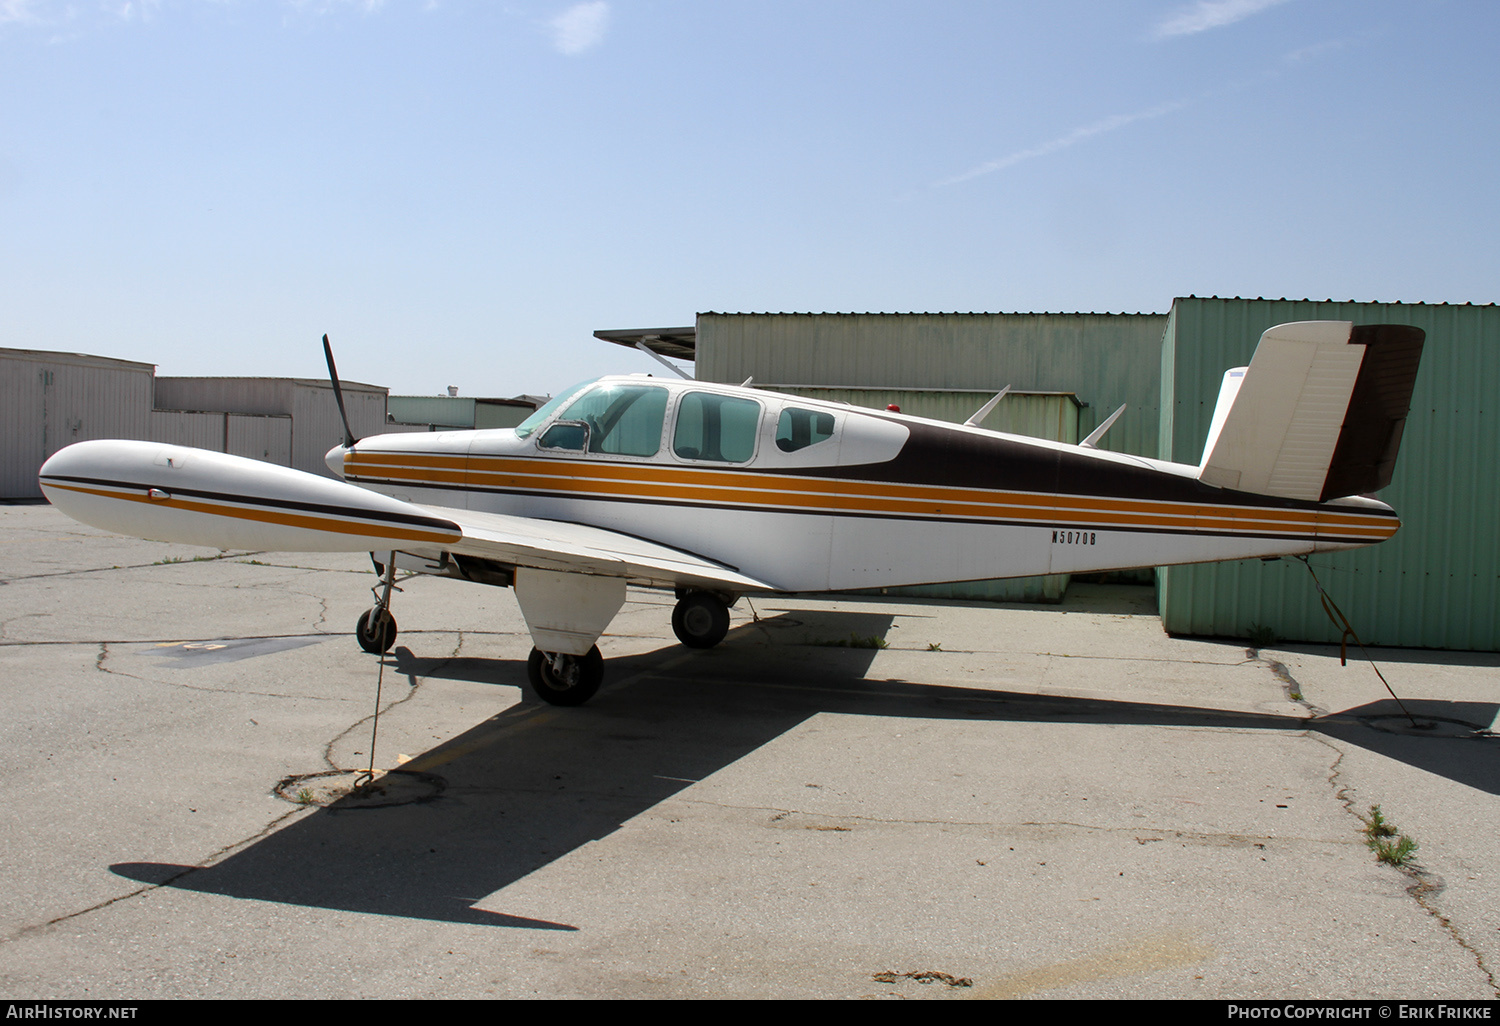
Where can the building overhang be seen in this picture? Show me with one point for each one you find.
(677, 343)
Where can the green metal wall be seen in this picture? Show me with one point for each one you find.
(1436, 584)
(1051, 415)
(1102, 359)
(1105, 359)
(445, 411)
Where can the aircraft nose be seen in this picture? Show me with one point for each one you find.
(335, 459)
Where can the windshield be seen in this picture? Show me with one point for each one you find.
(531, 423)
(622, 419)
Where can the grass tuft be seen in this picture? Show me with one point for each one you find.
(1389, 845)
(855, 641)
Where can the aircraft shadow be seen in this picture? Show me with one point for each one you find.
(521, 796)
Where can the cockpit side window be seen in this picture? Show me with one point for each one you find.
(720, 428)
(797, 429)
(531, 423)
(622, 419)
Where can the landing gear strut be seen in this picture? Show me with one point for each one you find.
(700, 619)
(561, 679)
(376, 629)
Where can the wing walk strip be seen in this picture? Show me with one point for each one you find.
(819, 495)
(242, 507)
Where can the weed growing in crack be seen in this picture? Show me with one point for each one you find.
(855, 641)
(1390, 846)
(1398, 852)
(1377, 825)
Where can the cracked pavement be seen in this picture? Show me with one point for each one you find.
(1055, 802)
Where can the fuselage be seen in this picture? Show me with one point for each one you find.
(814, 496)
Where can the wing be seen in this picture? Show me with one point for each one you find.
(578, 548)
(173, 493)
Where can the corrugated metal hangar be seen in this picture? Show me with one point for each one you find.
(51, 400)
(54, 399)
(1435, 585)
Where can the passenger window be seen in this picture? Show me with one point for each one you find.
(716, 427)
(622, 420)
(797, 429)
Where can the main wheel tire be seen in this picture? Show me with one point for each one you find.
(700, 620)
(372, 638)
(578, 682)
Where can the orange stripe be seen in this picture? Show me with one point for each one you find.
(510, 471)
(873, 497)
(309, 522)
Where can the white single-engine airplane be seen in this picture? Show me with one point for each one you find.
(717, 491)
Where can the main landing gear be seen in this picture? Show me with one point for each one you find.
(561, 609)
(700, 619)
(561, 679)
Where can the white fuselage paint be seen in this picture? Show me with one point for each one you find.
(784, 530)
(835, 514)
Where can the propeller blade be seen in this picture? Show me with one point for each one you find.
(338, 394)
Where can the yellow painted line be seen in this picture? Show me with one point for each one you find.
(1131, 958)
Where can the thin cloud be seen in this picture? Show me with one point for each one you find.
(1211, 14)
(327, 6)
(131, 10)
(1308, 53)
(581, 27)
(52, 12)
(1062, 142)
(17, 10)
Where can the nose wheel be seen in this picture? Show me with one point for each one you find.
(376, 628)
(700, 619)
(561, 679)
(375, 631)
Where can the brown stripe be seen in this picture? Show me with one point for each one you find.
(280, 518)
(669, 484)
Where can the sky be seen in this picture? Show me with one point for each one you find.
(460, 192)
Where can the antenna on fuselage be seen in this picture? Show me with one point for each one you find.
(984, 411)
(641, 345)
(338, 394)
(1091, 442)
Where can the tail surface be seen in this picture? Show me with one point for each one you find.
(1319, 412)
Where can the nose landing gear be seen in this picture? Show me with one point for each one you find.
(376, 628)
